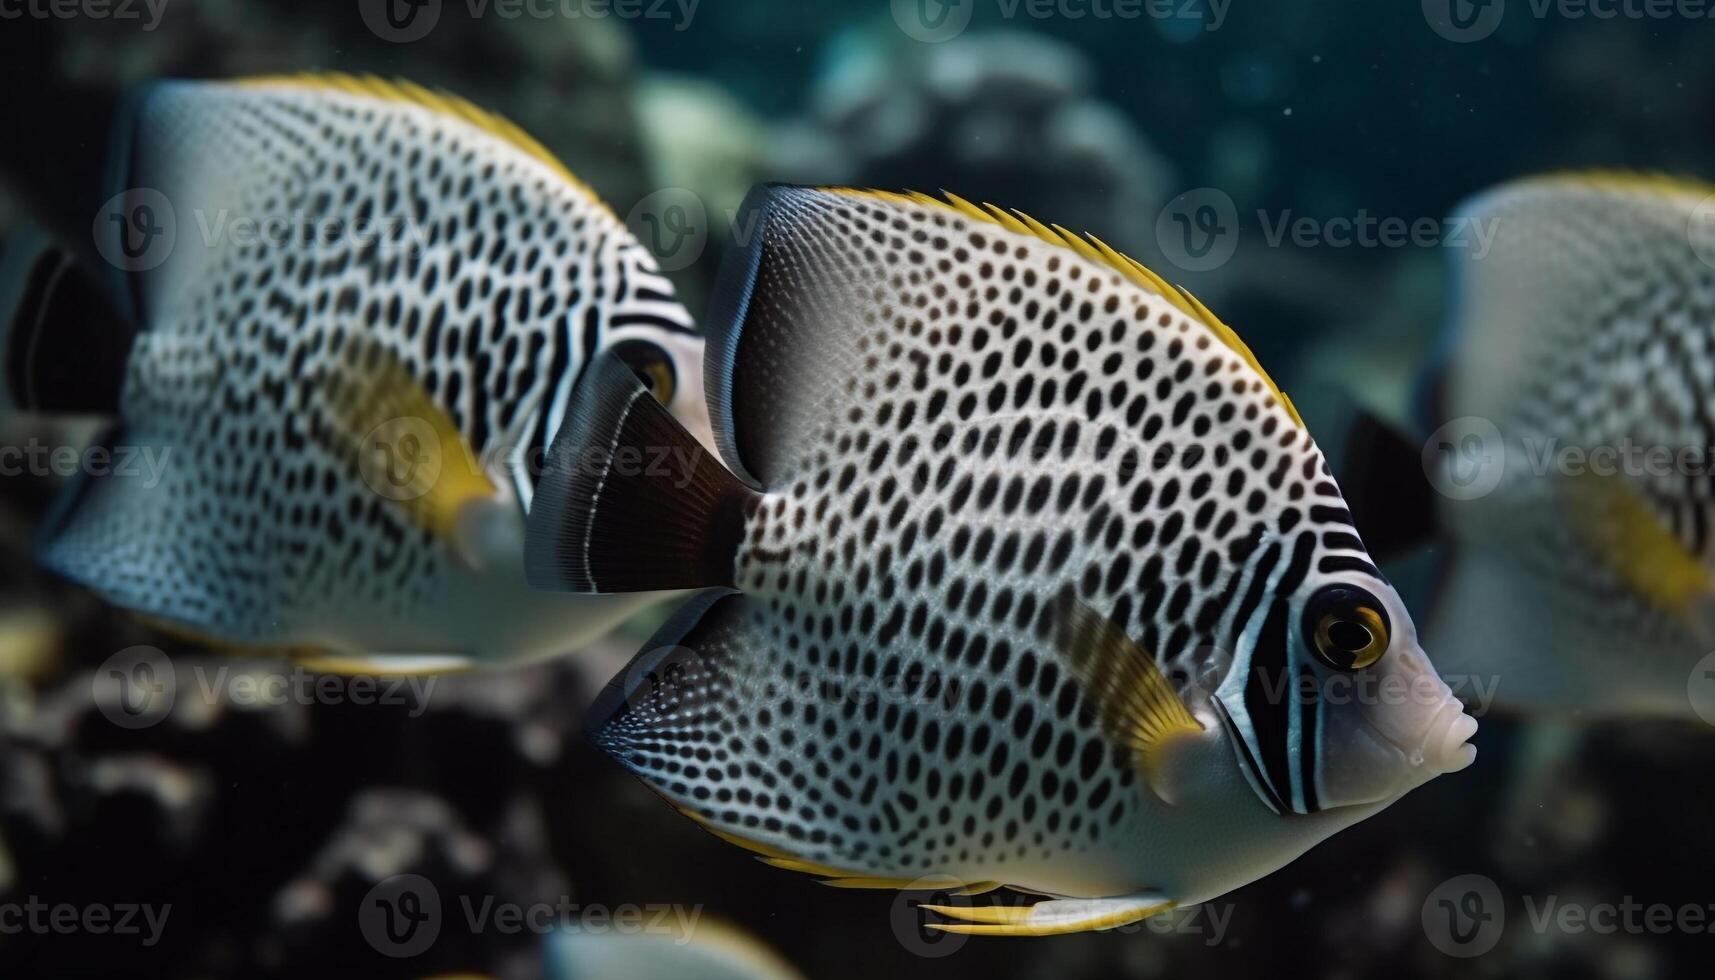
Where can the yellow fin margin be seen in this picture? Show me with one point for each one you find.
(1095, 250)
(1645, 181)
(440, 101)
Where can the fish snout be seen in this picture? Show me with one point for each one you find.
(1447, 745)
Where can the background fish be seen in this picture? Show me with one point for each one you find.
(349, 354)
(706, 951)
(1573, 454)
(991, 485)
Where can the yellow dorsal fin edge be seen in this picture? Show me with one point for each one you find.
(1624, 180)
(1096, 251)
(445, 103)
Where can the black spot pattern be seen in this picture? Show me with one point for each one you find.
(486, 274)
(1607, 348)
(1009, 421)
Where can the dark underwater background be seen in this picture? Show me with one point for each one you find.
(265, 827)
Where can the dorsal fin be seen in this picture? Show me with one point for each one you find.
(437, 100)
(1097, 251)
(1648, 181)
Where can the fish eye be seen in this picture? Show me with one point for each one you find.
(1346, 626)
(653, 365)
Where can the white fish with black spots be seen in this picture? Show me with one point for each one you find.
(354, 351)
(1574, 448)
(1018, 570)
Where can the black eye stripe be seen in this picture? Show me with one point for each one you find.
(1307, 741)
(1346, 563)
(1266, 701)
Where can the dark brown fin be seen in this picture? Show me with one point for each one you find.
(629, 501)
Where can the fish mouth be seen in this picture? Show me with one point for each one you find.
(1446, 746)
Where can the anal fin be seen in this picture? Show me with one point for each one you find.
(1055, 917)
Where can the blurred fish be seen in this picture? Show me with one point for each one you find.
(359, 311)
(1572, 448)
(707, 951)
(990, 485)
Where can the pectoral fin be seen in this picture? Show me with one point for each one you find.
(1054, 917)
(1136, 705)
(1612, 518)
(407, 448)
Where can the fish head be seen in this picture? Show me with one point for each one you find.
(1333, 704)
(670, 363)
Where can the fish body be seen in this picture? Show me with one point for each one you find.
(350, 357)
(704, 949)
(1576, 458)
(1015, 562)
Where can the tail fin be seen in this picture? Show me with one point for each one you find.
(63, 344)
(629, 500)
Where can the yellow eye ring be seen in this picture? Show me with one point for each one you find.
(652, 364)
(659, 377)
(1353, 638)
